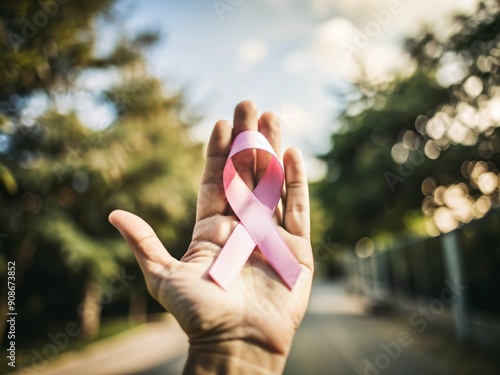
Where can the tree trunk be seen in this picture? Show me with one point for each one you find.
(23, 258)
(90, 311)
(3, 313)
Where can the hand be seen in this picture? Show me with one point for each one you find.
(251, 326)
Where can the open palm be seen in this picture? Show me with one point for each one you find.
(258, 307)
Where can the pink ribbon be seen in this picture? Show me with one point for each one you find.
(255, 211)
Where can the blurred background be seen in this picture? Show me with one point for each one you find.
(395, 105)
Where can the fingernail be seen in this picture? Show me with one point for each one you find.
(111, 221)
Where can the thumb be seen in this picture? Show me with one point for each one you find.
(151, 255)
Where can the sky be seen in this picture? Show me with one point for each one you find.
(292, 57)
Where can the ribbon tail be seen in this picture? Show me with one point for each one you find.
(232, 257)
(279, 256)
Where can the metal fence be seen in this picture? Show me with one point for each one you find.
(417, 272)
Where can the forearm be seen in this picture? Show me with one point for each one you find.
(233, 357)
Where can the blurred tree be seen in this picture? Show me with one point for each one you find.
(427, 142)
(59, 178)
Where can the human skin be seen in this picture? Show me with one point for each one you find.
(249, 328)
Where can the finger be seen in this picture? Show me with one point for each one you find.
(151, 255)
(269, 127)
(245, 118)
(297, 208)
(211, 197)
(300, 247)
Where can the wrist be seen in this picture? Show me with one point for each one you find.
(233, 357)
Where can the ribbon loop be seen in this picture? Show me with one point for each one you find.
(254, 210)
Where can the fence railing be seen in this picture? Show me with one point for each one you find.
(461, 269)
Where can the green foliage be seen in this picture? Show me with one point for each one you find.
(38, 57)
(356, 188)
(8, 180)
(388, 161)
(59, 179)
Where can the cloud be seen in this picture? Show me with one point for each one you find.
(251, 52)
(352, 7)
(382, 62)
(338, 48)
(323, 49)
(368, 33)
(361, 10)
(295, 123)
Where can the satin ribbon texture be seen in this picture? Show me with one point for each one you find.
(255, 210)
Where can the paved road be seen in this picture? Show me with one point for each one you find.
(130, 351)
(342, 344)
(337, 337)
